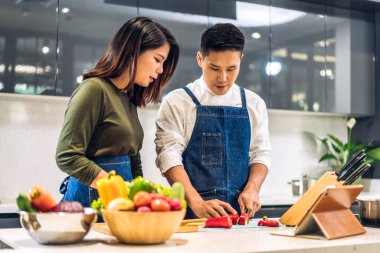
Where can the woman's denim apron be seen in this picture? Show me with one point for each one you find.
(217, 156)
(74, 190)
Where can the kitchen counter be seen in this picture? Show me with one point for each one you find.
(214, 240)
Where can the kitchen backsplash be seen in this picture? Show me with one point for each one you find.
(30, 126)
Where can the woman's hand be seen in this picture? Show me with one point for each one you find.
(100, 176)
(211, 208)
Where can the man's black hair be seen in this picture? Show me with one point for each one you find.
(221, 37)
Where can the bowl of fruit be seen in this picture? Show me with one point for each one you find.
(146, 213)
(49, 222)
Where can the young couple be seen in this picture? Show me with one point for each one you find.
(212, 135)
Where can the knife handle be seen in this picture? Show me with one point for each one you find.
(358, 161)
(357, 174)
(350, 163)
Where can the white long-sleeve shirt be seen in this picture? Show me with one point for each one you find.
(177, 115)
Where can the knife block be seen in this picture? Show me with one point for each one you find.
(330, 215)
(298, 211)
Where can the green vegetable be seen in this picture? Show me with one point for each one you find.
(97, 205)
(178, 191)
(140, 184)
(23, 203)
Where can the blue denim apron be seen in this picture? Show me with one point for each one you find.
(217, 155)
(74, 190)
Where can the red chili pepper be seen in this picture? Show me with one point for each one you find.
(269, 223)
(219, 222)
(243, 220)
(234, 218)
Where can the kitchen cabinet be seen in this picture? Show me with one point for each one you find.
(299, 55)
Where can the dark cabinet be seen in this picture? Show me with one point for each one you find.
(298, 55)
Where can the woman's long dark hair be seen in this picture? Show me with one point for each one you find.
(133, 38)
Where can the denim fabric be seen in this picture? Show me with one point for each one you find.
(217, 156)
(74, 190)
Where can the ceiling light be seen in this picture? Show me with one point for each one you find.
(65, 10)
(45, 50)
(256, 35)
(273, 68)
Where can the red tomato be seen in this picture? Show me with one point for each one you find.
(144, 209)
(160, 205)
(175, 204)
(142, 198)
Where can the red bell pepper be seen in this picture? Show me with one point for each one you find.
(243, 219)
(219, 222)
(269, 223)
(234, 218)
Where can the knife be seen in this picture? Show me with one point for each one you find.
(357, 174)
(351, 165)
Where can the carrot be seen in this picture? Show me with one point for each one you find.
(41, 199)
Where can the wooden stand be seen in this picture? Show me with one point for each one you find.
(330, 215)
(298, 211)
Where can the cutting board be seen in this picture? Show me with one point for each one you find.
(186, 227)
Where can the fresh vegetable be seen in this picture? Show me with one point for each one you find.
(269, 223)
(175, 204)
(142, 198)
(41, 199)
(121, 204)
(111, 187)
(140, 184)
(160, 205)
(68, 207)
(219, 222)
(97, 205)
(23, 203)
(177, 191)
(243, 219)
(144, 209)
(234, 218)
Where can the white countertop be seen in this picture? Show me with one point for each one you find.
(223, 240)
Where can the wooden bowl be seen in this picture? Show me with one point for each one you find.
(143, 228)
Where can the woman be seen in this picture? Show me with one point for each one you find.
(101, 130)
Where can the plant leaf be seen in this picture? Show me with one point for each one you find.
(335, 140)
(336, 148)
(328, 156)
(312, 136)
(374, 153)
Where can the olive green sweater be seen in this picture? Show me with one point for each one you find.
(99, 121)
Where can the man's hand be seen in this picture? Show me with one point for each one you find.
(249, 201)
(211, 208)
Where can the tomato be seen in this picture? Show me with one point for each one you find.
(144, 209)
(175, 204)
(160, 205)
(142, 199)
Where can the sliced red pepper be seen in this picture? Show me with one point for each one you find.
(219, 222)
(269, 223)
(243, 219)
(234, 218)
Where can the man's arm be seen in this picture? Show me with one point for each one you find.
(249, 199)
(201, 208)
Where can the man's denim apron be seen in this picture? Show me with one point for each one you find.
(217, 156)
(74, 190)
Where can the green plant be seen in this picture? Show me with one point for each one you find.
(338, 152)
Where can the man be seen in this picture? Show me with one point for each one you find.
(212, 135)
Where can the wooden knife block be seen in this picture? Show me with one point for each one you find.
(298, 211)
(329, 216)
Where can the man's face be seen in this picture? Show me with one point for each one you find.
(220, 69)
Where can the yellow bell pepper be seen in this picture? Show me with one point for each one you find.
(111, 187)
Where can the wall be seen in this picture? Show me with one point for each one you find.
(30, 126)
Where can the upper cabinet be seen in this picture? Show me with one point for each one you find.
(298, 55)
(28, 31)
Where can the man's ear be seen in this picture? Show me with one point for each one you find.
(199, 58)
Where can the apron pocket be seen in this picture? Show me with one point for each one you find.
(212, 152)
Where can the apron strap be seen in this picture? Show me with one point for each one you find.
(243, 99)
(195, 100)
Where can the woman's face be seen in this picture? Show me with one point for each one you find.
(150, 65)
